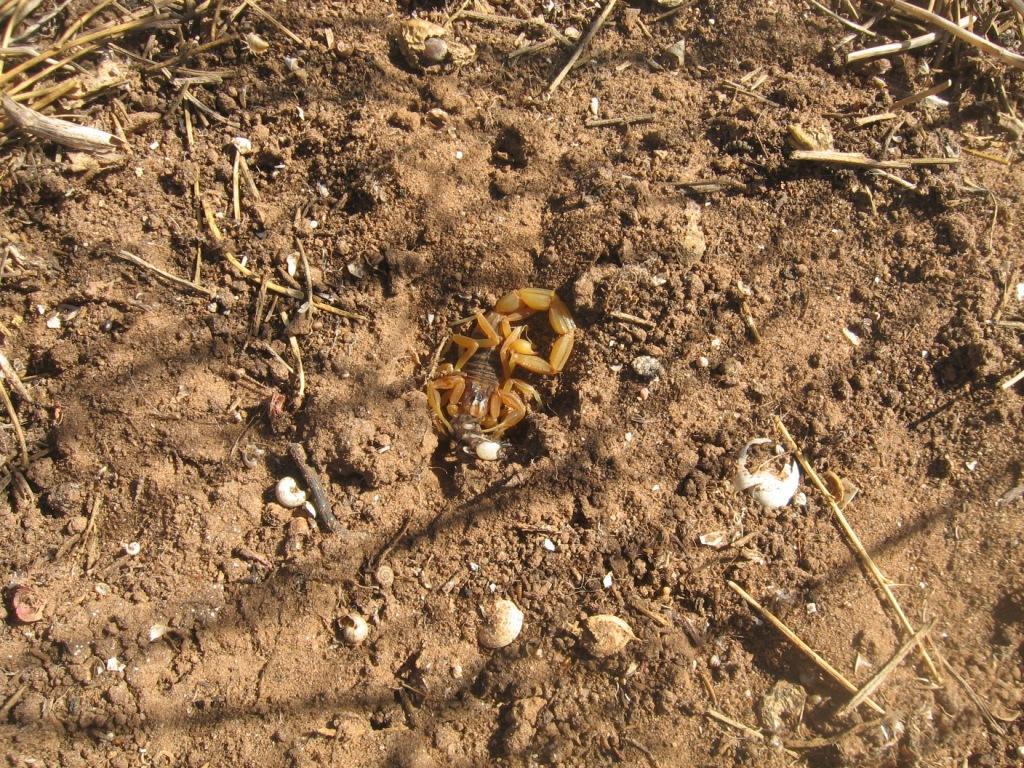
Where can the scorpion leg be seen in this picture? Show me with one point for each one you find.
(434, 389)
(516, 412)
(527, 390)
(470, 345)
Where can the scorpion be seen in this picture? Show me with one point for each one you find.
(484, 400)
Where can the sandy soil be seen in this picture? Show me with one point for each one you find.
(885, 313)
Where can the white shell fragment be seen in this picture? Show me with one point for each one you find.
(157, 631)
(354, 629)
(769, 488)
(605, 635)
(488, 450)
(288, 493)
(501, 623)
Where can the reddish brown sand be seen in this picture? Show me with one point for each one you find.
(419, 197)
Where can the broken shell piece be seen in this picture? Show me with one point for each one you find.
(425, 44)
(289, 494)
(715, 539)
(27, 604)
(502, 622)
(354, 629)
(157, 631)
(769, 488)
(605, 635)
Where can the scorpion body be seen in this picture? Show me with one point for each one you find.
(484, 399)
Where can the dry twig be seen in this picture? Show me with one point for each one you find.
(792, 636)
(63, 132)
(882, 675)
(855, 543)
(594, 28)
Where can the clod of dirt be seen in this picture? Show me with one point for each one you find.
(27, 604)
(605, 635)
(443, 670)
(521, 728)
(501, 623)
(782, 707)
(425, 44)
(646, 367)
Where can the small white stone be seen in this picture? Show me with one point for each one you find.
(549, 545)
(53, 322)
(629, 437)
(703, 362)
(606, 582)
(115, 665)
(971, 466)
(458, 154)
(157, 631)
(242, 144)
(812, 608)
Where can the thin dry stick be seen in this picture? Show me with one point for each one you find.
(282, 290)
(979, 42)
(627, 120)
(17, 424)
(294, 343)
(307, 275)
(628, 318)
(983, 707)
(913, 98)
(855, 543)
(842, 20)
(851, 159)
(1011, 380)
(882, 675)
(13, 379)
(139, 261)
(594, 28)
(901, 47)
(236, 201)
(62, 132)
(751, 732)
(274, 22)
(823, 665)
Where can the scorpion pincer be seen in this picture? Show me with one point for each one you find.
(478, 399)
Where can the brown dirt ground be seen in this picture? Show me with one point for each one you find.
(144, 395)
